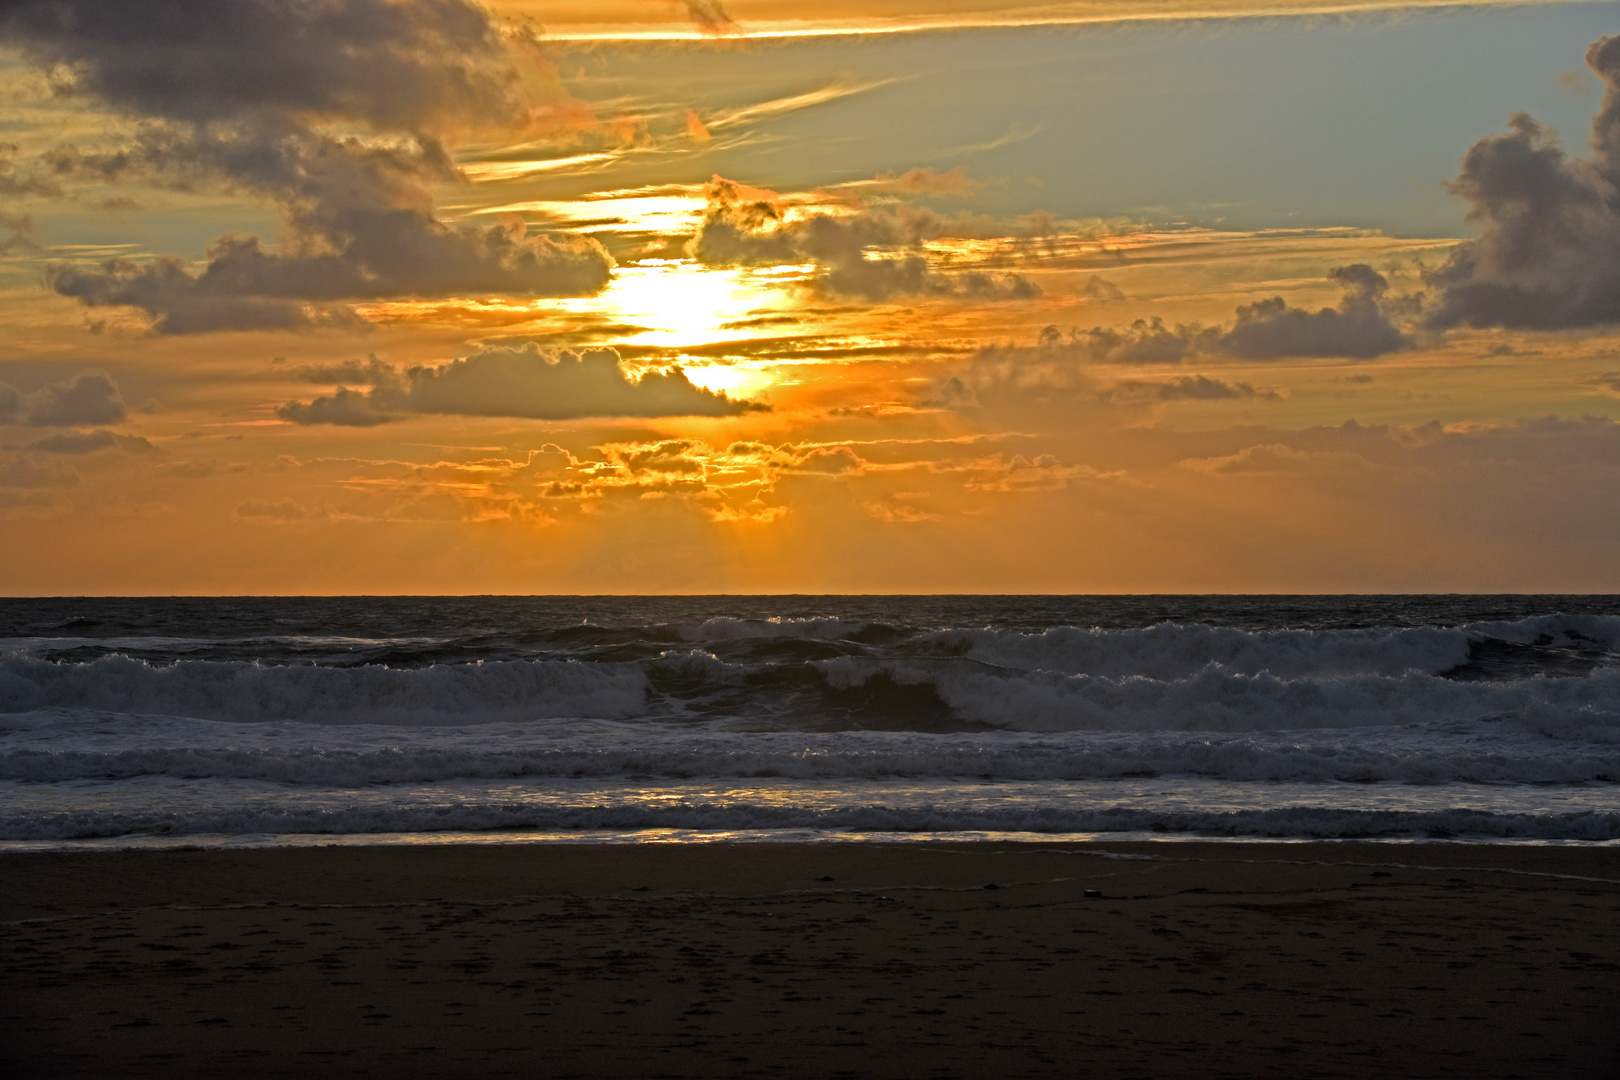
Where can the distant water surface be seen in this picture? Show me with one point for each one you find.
(264, 720)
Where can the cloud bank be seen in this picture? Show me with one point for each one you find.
(329, 111)
(525, 382)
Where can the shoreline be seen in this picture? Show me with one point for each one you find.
(140, 842)
(1227, 958)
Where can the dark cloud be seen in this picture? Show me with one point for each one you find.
(745, 226)
(517, 382)
(245, 94)
(1064, 366)
(396, 64)
(368, 372)
(1145, 341)
(346, 408)
(1548, 255)
(86, 399)
(181, 302)
(1359, 328)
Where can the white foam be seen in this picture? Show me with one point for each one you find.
(66, 745)
(1316, 813)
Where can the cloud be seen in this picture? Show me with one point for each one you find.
(20, 233)
(380, 255)
(525, 382)
(367, 372)
(1547, 449)
(1100, 288)
(877, 279)
(826, 461)
(250, 96)
(88, 442)
(710, 17)
(742, 482)
(668, 457)
(895, 513)
(1274, 458)
(180, 302)
(19, 500)
(88, 398)
(15, 185)
(810, 459)
(1044, 473)
(1193, 388)
(345, 408)
(726, 484)
(1359, 328)
(1145, 341)
(26, 473)
(749, 226)
(695, 127)
(920, 181)
(1548, 254)
(391, 64)
(280, 511)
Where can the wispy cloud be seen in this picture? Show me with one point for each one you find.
(637, 20)
(794, 102)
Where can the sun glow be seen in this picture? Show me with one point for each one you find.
(675, 302)
(747, 380)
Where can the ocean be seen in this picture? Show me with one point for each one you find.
(253, 721)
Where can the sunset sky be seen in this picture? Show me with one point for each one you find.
(586, 296)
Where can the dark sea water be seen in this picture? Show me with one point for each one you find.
(264, 720)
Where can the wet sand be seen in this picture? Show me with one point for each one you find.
(824, 960)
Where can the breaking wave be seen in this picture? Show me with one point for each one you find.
(880, 719)
(828, 674)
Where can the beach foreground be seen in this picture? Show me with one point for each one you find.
(831, 959)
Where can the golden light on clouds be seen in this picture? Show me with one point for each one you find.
(1096, 309)
(654, 20)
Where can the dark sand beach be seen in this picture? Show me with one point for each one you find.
(903, 960)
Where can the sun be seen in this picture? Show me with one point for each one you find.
(679, 306)
(677, 302)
